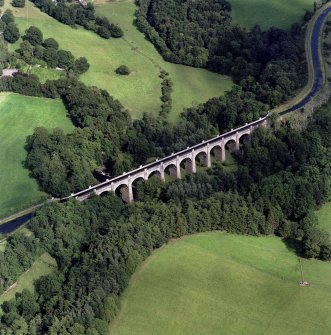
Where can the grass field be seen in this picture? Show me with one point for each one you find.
(45, 264)
(19, 115)
(268, 13)
(140, 91)
(324, 217)
(217, 283)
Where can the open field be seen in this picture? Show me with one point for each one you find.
(324, 217)
(216, 283)
(19, 115)
(266, 13)
(140, 91)
(44, 265)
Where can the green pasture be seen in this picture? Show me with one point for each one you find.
(44, 265)
(217, 283)
(140, 91)
(19, 116)
(324, 217)
(268, 13)
(46, 74)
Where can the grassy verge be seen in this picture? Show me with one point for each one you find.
(140, 91)
(19, 115)
(324, 217)
(216, 283)
(266, 13)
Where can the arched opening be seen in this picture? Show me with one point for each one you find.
(154, 174)
(124, 193)
(231, 146)
(187, 166)
(201, 159)
(245, 139)
(171, 173)
(104, 193)
(137, 188)
(217, 154)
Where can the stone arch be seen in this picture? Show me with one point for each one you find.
(217, 153)
(155, 173)
(124, 191)
(245, 138)
(171, 170)
(134, 184)
(104, 193)
(231, 145)
(201, 158)
(188, 165)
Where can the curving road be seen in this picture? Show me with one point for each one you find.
(318, 81)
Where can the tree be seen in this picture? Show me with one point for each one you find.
(123, 70)
(11, 33)
(103, 32)
(33, 35)
(50, 57)
(18, 3)
(81, 65)
(65, 59)
(51, 43)
(7, 16)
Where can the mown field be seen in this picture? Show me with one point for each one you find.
(44, 265)
(217, 283)
(19, 115)
(140, 91)
(266, 13)
(324, 217)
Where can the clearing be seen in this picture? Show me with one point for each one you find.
(217, 283)
(268, 13)
(19, 116)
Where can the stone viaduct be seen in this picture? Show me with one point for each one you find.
(187, 158)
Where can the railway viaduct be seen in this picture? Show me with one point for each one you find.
(187, 158)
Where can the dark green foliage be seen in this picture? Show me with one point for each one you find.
(11, 33)
(270, 64)
(51, 43)
(166, 89)
(2, 2)
(7, 16)
(33, 35)
(72, 14)
(65, 59)
(81, 65)
(123, 70)
(18, 3)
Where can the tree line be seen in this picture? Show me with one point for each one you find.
(73, 13)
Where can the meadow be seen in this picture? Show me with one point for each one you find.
(19, 116)
(44, 265)
(140, 91)
(324, 217)
(217, 283)
(266, 13)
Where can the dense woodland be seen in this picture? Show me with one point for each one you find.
(269, 65)
(282, 176)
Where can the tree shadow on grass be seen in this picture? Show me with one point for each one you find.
(293, 245)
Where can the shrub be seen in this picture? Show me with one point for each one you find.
(123, 70)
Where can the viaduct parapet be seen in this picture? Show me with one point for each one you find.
(187, 158)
